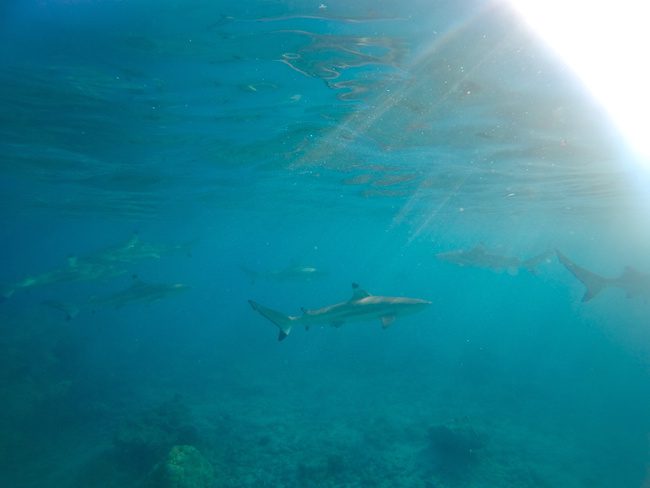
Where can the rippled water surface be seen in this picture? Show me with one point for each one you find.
(161, 163)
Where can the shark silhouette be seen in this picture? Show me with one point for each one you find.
(631, 281)
(138, 292)
(480, 257)
(361, 307)
(290, 273)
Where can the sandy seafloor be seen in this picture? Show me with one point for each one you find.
(222, 146)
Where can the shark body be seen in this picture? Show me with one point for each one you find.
(75, 271)
(361, 307)
(138, 292)
(104, 264)
(480, 257)
(290, 273)
(631, 281)
(135, 250)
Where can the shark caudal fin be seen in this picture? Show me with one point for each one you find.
(283, 322)
(593, 282)
(532, 263)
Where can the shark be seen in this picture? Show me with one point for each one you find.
(135, 250)
(631, 281)
(76, 270)
(138, 292)
(480, 257)
(295, 272)
(361, 307)
(104, 264)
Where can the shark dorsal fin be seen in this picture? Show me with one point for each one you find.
(358, 293)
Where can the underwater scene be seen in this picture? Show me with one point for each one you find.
(269, 243)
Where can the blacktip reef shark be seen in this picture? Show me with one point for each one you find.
(361, 307)
(76, 270)
(291, 273)
(135, 250)
(633, 282)
(104, 264)
(480, 257)
(138, 292)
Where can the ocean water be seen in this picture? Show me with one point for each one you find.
(162, 163)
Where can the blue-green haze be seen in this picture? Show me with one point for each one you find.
(227, 146)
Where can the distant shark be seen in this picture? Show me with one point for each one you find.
(290, 273)
(633, 282)
(135, 250)
(107, 263)
(361, 307)
(76, 270)
(138, 292)
(480, 257)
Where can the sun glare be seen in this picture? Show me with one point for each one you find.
(606, 43)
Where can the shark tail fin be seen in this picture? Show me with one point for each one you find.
(594, 283)
(70, 311)
(532, 263)
(282, 321)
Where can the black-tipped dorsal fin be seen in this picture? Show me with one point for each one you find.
(358, 293)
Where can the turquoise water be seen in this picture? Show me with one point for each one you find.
(162, 163)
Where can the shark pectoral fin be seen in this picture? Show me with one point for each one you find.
(387, 321)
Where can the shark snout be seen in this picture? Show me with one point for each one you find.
(412, 305)
(420, 304)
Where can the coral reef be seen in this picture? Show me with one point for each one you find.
(453, 451)
(141, 441)
(183, 467)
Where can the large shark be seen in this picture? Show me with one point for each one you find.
(76, 270)
(361, 307)
(138, 292)
(631, 281)
(294, 272)
(480, 257)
